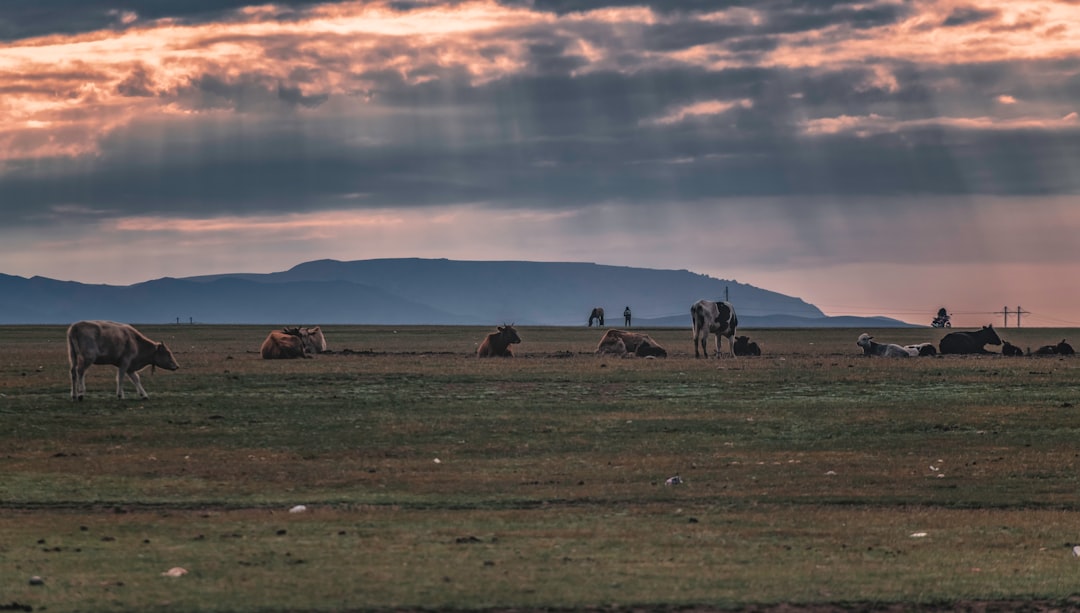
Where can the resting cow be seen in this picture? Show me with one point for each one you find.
(969, 342)
(293, 342)
(1008, 348)
(108, 342)
(713, 317)
(885, 350)
(1061, 348)
(745, 346)
(621, 342)
(313, 339)
(497, 344)
(921, 349)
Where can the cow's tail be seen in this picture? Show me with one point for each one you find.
(72, 351)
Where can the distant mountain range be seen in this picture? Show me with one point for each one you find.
(413, 291)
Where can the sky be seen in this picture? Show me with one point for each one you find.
(873, 158)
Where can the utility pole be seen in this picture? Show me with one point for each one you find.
(726, 294)
(1018, 312)
(1007, 318)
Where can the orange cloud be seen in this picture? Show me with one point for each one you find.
(63, 93)
(867, 125)
(299, 225)
(701, 109)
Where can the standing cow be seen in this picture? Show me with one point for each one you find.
(597, 315)
(108, 342)
(497, 344)
(713, 317)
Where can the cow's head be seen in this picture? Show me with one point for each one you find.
(313, 339)
(991, 335)
(509, 335)
(164, 358)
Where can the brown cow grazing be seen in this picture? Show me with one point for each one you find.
(108, 342)
(497, 344)
(621, 343)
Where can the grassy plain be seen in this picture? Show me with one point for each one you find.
(434, 480)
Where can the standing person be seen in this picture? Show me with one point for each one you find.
(626, 316)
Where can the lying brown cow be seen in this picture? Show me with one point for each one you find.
(108, 342)
(621, 342)
(497, 344)
(302, 341)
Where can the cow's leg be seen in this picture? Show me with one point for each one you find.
(134, 376)
(80, 378)
(120, 382)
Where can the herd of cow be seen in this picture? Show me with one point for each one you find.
(958, 343)
(121, 345)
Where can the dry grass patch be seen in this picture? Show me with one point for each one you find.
(806, 473)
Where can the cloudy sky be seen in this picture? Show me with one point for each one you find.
(871, 157)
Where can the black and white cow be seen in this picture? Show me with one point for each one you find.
(713, 318)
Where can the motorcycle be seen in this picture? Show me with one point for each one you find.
(942, 320)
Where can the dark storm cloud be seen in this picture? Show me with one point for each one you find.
(542, 142)
(30, 18)
(778, 17)
(416, 129)
(968, 15)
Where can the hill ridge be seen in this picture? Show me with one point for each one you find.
(404, 291)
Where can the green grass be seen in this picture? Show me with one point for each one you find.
(434, 479)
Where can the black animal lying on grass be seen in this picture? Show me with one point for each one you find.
(1008, 348)
(1061, 348)
(745, 346)
(969, 342)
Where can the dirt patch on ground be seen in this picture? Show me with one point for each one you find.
(963, 606)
